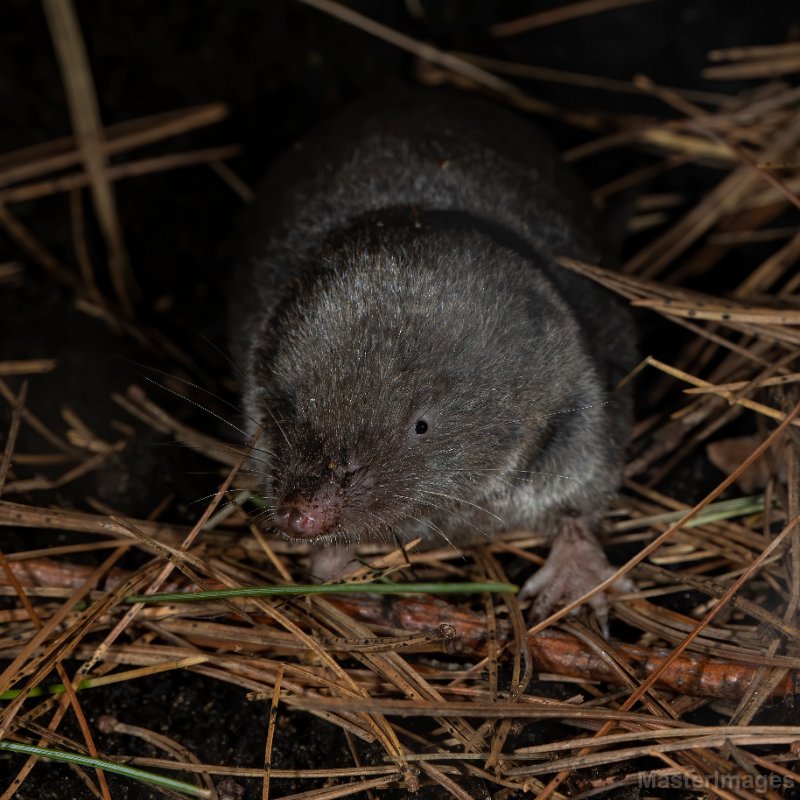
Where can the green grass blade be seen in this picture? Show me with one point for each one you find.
(322, 588)
(107, 766)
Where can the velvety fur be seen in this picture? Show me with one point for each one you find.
(397, 267)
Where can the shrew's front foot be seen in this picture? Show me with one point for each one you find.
(576, 564)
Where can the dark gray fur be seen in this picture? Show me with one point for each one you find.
(398, 265)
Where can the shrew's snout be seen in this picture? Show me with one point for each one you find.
(313, 505)
(304, 518)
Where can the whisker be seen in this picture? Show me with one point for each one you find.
(520, 472)
(436, 529)
(196, 404)
(238, 409)
(466, 502)
(225, 355)
(278, 425)
(260, 515)
(445, 510)
(577, 408)
(219, 471)
(233, 492)
(218, 449)
(254, 447)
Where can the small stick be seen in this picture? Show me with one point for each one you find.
(143, 166)
(61, 153)
(13, 430)
(564, 13)
(31, 366)
(85, 112)
(273, 716)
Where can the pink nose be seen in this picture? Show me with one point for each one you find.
(299, 519)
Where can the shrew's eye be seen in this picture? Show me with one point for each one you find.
(421, 427)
